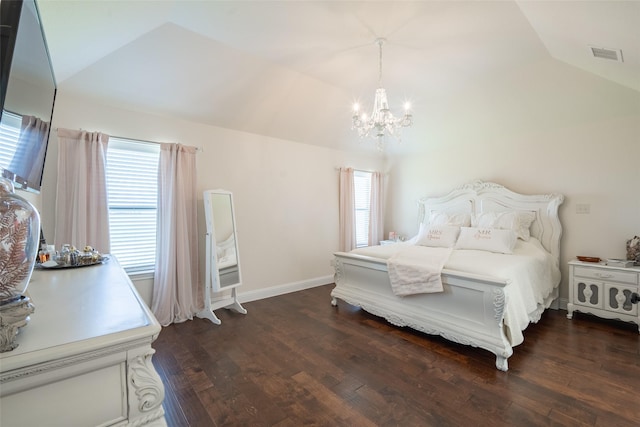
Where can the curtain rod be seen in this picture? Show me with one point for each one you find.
(361, 170)
(143, 141)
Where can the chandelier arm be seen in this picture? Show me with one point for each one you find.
(380, 41)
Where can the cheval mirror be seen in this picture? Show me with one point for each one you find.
(222, 257)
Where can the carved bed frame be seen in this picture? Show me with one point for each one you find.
(470, 311)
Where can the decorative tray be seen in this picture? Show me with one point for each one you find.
(52, 265)
(588, 259)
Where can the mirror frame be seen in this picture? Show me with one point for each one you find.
(213, 277)
(28, 85)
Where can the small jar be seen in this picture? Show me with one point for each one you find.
(65, 254)
(74, 257)
(43, 257)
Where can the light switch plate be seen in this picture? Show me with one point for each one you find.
(583, 208)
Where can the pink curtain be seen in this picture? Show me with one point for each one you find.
(31, 145)
(376, 209)
(346, 208)
(175, 288)
(82, 209)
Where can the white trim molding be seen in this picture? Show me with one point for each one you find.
(274, 291)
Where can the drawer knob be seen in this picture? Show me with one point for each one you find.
(587, 293)
(604, 275)
(620, 298)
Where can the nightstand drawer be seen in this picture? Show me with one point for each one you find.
(607, 275)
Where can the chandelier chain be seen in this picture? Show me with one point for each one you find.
(380, 42)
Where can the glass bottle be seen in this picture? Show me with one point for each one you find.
(19, 241)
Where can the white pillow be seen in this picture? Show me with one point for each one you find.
(442, 236)
(518, 221)
(487, 239)
(459, 219)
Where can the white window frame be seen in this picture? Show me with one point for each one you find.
(132, 188)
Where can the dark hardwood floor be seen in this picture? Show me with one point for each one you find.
(295, 360)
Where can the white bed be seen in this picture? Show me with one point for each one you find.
(487, 299)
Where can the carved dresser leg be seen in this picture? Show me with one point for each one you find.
(146, 392)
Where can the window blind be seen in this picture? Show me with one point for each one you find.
(9, 134)
(362, 190)
(132, 188)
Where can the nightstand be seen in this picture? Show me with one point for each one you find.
(603, 290)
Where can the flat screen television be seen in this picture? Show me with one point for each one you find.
(27, 95)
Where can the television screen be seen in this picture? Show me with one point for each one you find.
(27, 96)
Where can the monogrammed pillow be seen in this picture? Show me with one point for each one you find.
(443, 236)
(487, 239)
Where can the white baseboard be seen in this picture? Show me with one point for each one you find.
(283, 289)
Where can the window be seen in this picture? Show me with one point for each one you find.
(362, 190)
(9, 135)
(132, 188)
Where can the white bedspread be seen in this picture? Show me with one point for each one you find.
(417, 270)
(531, 274)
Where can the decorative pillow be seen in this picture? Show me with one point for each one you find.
(443, 236)
(459, 219)
(518, 221)
(487, 239)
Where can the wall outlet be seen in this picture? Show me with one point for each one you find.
(583, 208)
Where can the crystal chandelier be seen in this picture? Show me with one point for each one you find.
(381, 121)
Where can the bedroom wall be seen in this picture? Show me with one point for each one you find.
(285, 192)
(552, 129)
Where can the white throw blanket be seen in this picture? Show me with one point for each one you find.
(417, 270)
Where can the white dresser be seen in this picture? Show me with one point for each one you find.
(84, 359)
(603, 290)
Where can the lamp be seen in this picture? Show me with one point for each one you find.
(381, 119)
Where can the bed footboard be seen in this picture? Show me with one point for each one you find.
(470, 311)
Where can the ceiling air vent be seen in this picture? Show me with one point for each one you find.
(604, 53)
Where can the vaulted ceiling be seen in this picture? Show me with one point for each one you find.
(291, 69)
